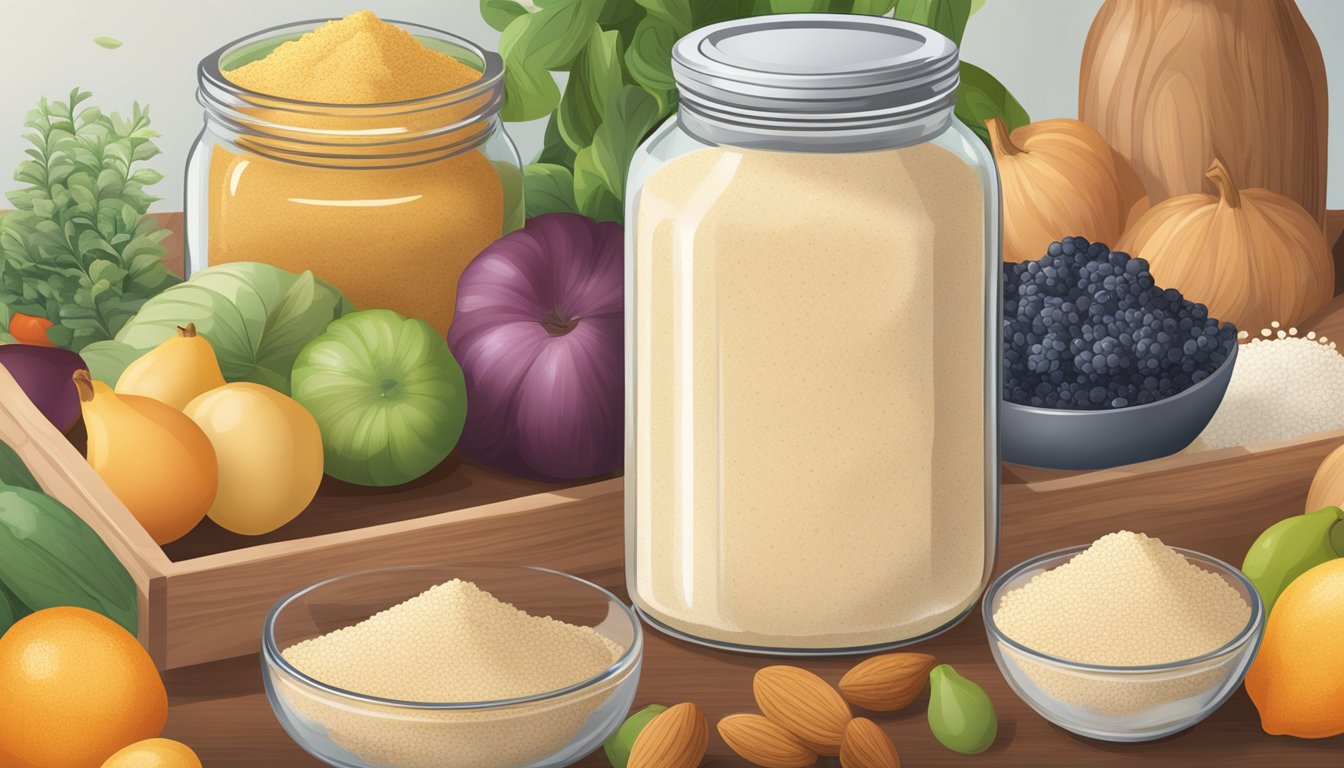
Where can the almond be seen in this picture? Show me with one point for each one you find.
(761, 742)
(676, 738)
(866, 745)
(804, 705)
(887, 683)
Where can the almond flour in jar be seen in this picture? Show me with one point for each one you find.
(812, 441)
(812, 314)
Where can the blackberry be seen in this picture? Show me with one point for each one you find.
(1087, 328)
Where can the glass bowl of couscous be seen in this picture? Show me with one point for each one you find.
(446, 667)
(1125, 639)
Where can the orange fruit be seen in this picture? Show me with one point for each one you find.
(74, 688)
(154, 753)
(1297, 679)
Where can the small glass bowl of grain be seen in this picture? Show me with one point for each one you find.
(451, 667)
(1123, 703)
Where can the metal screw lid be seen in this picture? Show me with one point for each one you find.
(816, 81)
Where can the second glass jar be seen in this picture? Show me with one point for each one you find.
(388, 202)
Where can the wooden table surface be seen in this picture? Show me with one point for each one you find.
(1218, 508)
(220, 710)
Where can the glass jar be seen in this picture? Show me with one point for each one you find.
(388, 202)
(812, 268)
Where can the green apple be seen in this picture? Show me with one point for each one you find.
(386, 393)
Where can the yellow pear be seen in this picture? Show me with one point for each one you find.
(270, 455)
(174, 372)
(155, 459)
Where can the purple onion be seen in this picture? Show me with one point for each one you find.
(45, 376)
(538, 331)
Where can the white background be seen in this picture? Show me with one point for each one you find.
(46, 48)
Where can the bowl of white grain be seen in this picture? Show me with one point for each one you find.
(451, 667)
(1126, 639)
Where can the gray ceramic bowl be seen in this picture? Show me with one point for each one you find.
(1060, 439)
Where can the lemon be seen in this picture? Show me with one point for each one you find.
(1297, 679)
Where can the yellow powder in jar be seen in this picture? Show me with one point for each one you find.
(388, 237)
(359, 59)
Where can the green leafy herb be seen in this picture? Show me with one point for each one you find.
(111, 43)
(618, 54)
(79, 250)
(981, 97)
(549, 38)
(498, 13)
(548, 188)
(600, 169)
(947, 17)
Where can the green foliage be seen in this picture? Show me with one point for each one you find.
(618, 54)
(79, 250)
(548, 188)
(980, 97)
(256, 317)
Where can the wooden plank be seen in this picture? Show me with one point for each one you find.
(453, 485)
(214, 605)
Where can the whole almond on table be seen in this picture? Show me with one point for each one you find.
(888, 682)
(804, 704)
(866, 745)
(760, 742)
(677, 738)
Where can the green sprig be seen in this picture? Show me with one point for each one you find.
(79, 249)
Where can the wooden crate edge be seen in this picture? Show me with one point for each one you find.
(216, 612)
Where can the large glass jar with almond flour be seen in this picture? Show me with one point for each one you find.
(812, 341)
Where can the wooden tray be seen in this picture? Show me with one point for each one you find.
(204, 596)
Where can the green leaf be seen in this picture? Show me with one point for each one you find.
(947, 17)
(677, 14)
(799, 6)
(500, 13)
(111, 43)
(981, 96)
(649, 59)
(600, 170)
(554, 149)
(596, 76)
(536, 43)
(592, 196)
(107, 359)
(13, 472)
(549, 189)
(874, 7)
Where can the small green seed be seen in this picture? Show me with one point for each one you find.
(107, 42)
(961, 715)
(619, 744)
